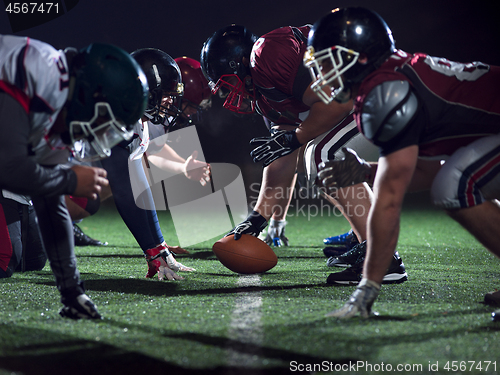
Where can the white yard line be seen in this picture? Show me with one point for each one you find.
(246, 324)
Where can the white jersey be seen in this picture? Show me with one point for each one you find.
(144, 132)
(36, 75)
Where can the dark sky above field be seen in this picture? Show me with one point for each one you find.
(463, 31)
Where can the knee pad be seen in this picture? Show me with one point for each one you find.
(470, 176)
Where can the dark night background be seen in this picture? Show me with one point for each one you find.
(459, 30)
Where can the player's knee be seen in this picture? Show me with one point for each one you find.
(444, 190)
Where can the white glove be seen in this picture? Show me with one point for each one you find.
(170, 262)
(276, 233)
(167, 272)
(339, 173)
(360, 302)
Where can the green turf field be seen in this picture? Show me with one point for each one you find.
(218, 322)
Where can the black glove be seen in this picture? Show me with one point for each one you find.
(280, 143)
(253, 225)
(349, 171)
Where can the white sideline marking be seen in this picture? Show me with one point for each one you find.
(246, 324)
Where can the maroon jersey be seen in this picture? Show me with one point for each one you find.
(458, 103)
(279, 75)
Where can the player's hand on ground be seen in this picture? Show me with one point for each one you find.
(197, 170)
(168, 260)
(253, 225)
(276, 233)
(360, 303)
(165, 272)
(90, 180)
(339, 173)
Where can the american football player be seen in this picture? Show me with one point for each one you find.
(162, 115)
(54, 103)
(266, 75)
(412, 106)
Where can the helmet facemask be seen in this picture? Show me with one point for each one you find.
(93, 140)
(240, 96)
(164, 107)
(330, 83)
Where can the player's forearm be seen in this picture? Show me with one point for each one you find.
(167, 164)
(276, 186)
(28, 178)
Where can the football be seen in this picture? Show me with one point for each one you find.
(247, 255)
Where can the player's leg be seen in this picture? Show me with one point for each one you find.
(468, 186)
(483, 222)
(10, 237)
(142, 223)
(57, 234)
(80, 208)
(34, 254)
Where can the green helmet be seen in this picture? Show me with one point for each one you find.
(108, 94)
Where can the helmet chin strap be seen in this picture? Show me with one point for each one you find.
(343, 95)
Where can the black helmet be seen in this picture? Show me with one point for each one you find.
(164, 80)
(107, 96)
(225, 59)
(343, 37)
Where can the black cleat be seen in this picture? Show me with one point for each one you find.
(396, 273)
(492, 298)
(80, 307)
(353, 256)
(81, 239)
(336, 248)
(495, 316)
(334, 251)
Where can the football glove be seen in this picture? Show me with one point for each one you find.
(253, 225)
(360, 302)
(280, 143)
(79, 307)
(161, 256)
(340, 173)
(168, 273)
(276, 233)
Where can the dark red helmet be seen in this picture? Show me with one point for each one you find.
(197, 93)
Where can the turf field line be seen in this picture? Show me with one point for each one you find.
(246, 324)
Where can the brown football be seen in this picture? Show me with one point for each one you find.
(247, 255)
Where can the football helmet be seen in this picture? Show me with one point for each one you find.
(107, 95)
(343, 48)
(225, 59)
(165, 85)
(197, 93)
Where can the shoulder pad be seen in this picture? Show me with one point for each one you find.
(387, 110)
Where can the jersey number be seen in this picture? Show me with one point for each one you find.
(463, 72)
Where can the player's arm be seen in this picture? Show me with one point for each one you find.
(167, 159)
(394, 174)
(322, 117)
(19, 172)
